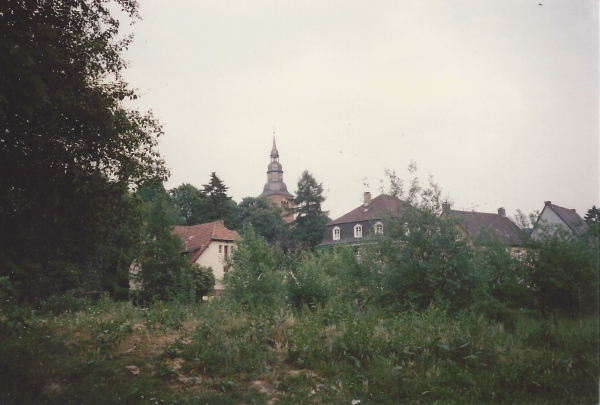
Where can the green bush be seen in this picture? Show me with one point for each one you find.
(203, 279)
(308, 285)
(62, 304)
(255, 275)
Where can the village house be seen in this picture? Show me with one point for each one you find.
(367, 219)
(552, 216)
(471, 224)
(208, 245)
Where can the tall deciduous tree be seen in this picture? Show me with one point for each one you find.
(69, 150)
(264, 216)
(191, 202)
(310, 218)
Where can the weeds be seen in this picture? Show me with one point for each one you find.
(218, 353)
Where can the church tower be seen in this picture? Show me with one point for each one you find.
(275, 189)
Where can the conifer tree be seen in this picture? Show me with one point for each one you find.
(310, 218)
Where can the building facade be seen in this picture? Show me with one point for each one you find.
(208, 245)
(353, 227)
(552, 215)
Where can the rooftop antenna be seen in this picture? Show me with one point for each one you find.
(473, 206)
(365, 185)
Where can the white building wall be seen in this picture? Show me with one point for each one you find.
(211, 258)
(549, 218)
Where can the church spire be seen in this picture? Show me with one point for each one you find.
(274, 152)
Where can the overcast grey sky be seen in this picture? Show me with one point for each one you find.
(498, 100)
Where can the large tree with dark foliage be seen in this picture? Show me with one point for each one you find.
(265, 217)
(69, 150)
(310, 218)
(218, 205)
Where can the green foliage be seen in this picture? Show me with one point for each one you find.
(254, 277)
(592, 215)
(203, 280)
(562, 271)
(70, 150)
(264, 216)
(218, 205)
(160, 261)
(309, 284)
(191, 203)
(62, 304)
(310, 218)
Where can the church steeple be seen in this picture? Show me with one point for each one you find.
(274, 152)
(275, 189)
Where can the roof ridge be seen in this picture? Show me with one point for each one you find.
(561, 217)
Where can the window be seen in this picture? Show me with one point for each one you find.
(379, 228)
(357, 231)
(336, 233)
(518, 255)
(220, 249)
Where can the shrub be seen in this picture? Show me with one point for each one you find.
(203, 279)
(308, 285)
(255, 277)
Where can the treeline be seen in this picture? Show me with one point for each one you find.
(80, 173)
(162, 273)
(421, 261)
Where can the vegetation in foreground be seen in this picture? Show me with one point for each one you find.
(217, 353)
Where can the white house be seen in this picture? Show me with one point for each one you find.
(208, 245)
(552, 215)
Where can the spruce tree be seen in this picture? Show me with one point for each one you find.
(310, 219)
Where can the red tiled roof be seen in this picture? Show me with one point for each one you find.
(501, 226)
(372, 211)
(196, 238)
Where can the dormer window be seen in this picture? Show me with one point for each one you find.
(379, 228)
(336, 233)
(358, 231)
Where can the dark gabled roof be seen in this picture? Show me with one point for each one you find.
(570, 218)
(373, 211)
(196, 238)
(502, 227)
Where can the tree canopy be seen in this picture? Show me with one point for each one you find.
(264, 216)
(69, 150)
(310, 218)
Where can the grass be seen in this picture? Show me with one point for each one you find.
(219, 354)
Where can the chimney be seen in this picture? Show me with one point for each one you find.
(502, 212)
(367, 198)
(547, 202)
(573, 209)
(446, 208)
(221, 221)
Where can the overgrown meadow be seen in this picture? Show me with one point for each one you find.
(304, 329)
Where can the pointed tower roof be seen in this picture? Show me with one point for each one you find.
(274, 152)
(275, 184)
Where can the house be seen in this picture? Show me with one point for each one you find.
(275, 190)
(552, 215)
(208, 245)
(365, 220)
(471, 224)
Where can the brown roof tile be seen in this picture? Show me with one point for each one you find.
(498, 225)
(196, 238)
(372, 211)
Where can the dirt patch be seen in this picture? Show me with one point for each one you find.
(262, 386)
